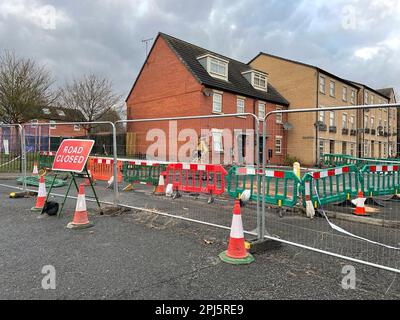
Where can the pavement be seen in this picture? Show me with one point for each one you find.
(140, 255)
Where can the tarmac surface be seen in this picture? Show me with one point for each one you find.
(140, 255)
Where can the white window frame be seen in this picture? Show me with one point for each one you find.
(280, 139)
(215, 102)
(260, 77)
(344, 120)
(352, 122)
(77, 127)
(52, 124)
(220, 146)
(322, 84)
(331, 118)
(321, 147)
(331, 82)
(219, 64)
(279, 116)
(344, 93)
(239, 108)
(353, 96)
(46, 111)
(366, 97)
(34, 123)
(372, 120)
(261, 114)
(321, 115)
(61, 113)
(366, 121)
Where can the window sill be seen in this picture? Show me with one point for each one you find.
(216, 112)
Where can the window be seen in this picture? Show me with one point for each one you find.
(34, 123)
(61, 113)
(52, 124)
(259, 81)
(332, 88)
(372, 123)
(215, 66)
(261, 110)
(385, 126)
(46, 110)
(217, 102)
(353, 97)
(278, 115)
(385, 150)
(344, 121)
(321, 148)
(344, 94)
(365, 121)
(352, 123)
(366, 96)
(352, 149)
(366, 148)
(380, 123)
(322, 115)
(331, 118)
(372, 99)
(322, 84)
(240, 105)
(77, 127)
(278, 145)
(217, 140)
(218, 67)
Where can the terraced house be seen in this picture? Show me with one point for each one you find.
(377, 127)
(348, 132)
(181, 79)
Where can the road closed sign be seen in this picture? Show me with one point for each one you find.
(72, 155)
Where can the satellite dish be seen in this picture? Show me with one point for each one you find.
(207, 92)
(287, 126)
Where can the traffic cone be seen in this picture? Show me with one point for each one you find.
(160, 189)
(81, 220)
(236, 253)
(35, 171)
(360, 205)
(41, 199)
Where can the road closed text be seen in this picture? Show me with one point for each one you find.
(71, 154)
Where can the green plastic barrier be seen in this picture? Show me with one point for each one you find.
(34, 182)
(148, 173)
(46, 160)
(380, 180)
(281, 187)
(333, 185)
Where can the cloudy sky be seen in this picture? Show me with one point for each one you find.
(355, 39)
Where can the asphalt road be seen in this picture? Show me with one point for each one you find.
(145, 256)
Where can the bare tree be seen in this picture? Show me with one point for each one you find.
(25, 87)
(92, 95)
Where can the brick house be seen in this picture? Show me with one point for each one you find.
(180, 79)
(313, 134)
(48, 138)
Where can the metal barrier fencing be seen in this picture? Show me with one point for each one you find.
(373, 239)
(46, 159)
(270, 147)
(331, 185)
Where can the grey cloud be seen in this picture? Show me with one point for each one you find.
(105, 36)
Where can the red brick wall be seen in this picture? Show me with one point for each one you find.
(165, 88)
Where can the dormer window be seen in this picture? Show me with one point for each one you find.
(61, 113)
(257, 79)
(216, 67)
(46, 110)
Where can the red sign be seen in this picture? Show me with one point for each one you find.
(72, 155)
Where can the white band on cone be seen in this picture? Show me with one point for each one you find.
(81, 203)
(237, 227)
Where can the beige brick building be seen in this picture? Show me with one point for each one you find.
(313, 134)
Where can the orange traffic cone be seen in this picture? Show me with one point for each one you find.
(81, 220)
(360, 206)
(236, 253)
(41, 199)
(160, 189)
(35, 171)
